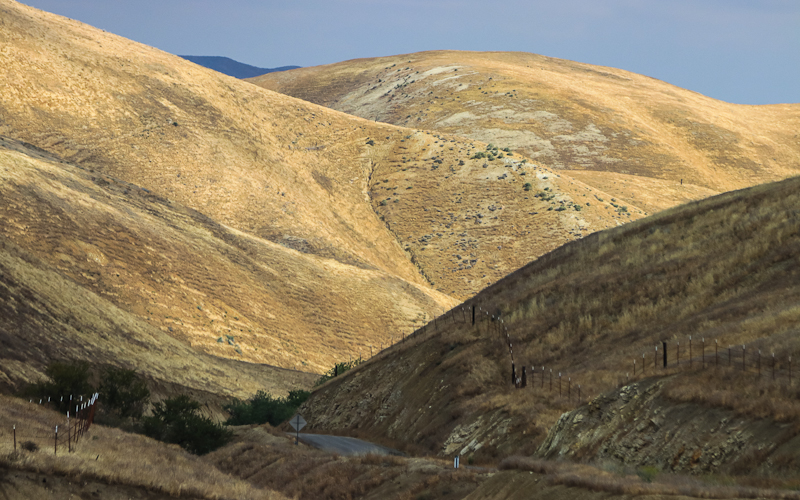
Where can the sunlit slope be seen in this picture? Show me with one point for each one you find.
(257, 161)
(569, 116)
(722, 269)
(78, 261)
(284, 170)
(287, 181)
(215, 288)
(467, 222)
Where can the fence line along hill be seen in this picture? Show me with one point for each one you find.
(722, 271)
(641, 140)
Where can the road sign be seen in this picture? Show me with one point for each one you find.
(297, 422)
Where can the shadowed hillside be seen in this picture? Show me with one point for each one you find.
(641, 140)
(723, 269)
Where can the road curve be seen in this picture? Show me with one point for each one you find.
(344, 445)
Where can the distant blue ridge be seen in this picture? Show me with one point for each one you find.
(233, 68)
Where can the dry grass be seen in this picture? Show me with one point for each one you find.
(301, 472)
(721, 269)
(646, 143)
(190, 199)
(115, 457)
(628, 483)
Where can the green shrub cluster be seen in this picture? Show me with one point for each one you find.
(264, 408)
(177, 421)
(122, 392)
(123, 397)
(64, 379)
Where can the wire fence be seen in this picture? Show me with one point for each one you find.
(668, 357)
(60, 432)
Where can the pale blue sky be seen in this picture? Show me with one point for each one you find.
(739, 51)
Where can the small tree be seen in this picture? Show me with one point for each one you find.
(123, 392)
(176, 420)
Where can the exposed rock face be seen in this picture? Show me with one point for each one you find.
(637, 425)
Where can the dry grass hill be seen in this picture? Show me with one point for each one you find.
(222, 238)
(722, 270)
(631, 136)
(244, 223)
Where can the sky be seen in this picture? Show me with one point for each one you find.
(740, 51)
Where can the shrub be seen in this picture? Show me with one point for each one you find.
(65, 379)
(647, 473)
(177, 421)
(264, 408)
(29, 446)
(123, 392)
(337, 370)
(527, 186)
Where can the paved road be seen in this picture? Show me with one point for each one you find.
(344, 445)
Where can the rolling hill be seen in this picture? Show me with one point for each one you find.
(330, 235)
(641, 140)
(722, 271)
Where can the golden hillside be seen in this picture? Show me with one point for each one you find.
(100, 270)
(311, 259)
(722, 270)
(280, 184)
(629, 135)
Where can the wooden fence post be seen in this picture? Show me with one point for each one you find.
(15, 438)
(55, 443)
